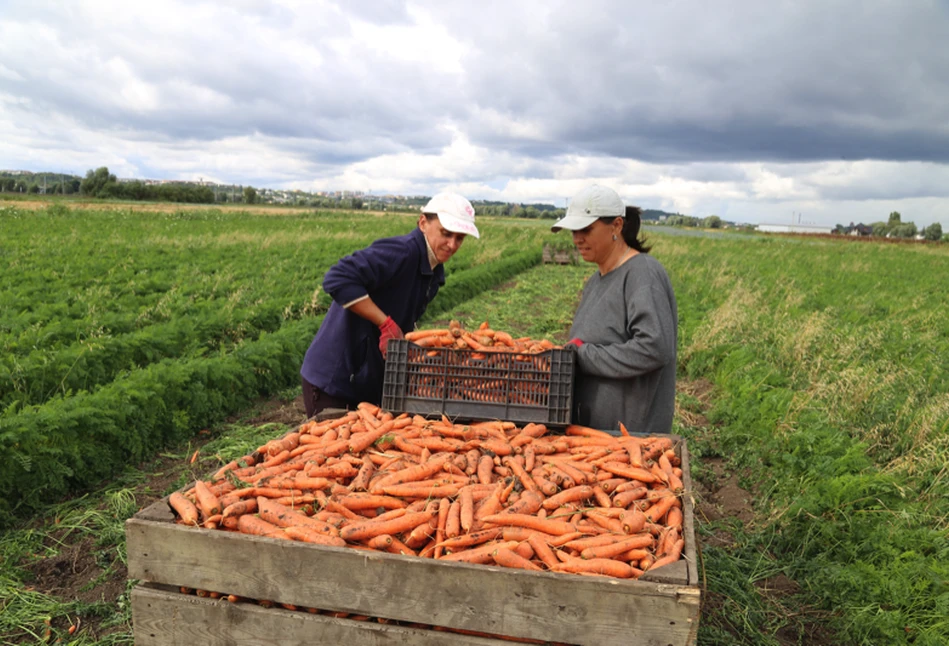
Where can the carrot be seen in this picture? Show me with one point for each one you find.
(545, 525)
(308, 535)
(239, 508)
(621, 544)
(672, 557)
(474, 538)
(485, 470)
(542, 549)
(361, 442)
(674, 517)
(518, 470)
(660, 508)
(410, 474)
(368, 529)
(207, 501)
(607, 567)
(586, 431)
(506, 557)
(633, 521)
(453, 522)
(283, 516)
(249, 524)
(380, 542)
(529, 503)
(633, 473)
(185, 509)
(480, 554)
(573, 494)
(466, 509)
(428, 491)
(544, 485)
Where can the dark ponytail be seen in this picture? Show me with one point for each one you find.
(631, 223)
(631, 230)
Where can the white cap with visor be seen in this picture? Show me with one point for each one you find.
(588, 206)
(454, 212)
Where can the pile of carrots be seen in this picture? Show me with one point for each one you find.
(490, 493)
(481, 366)
(482, 340)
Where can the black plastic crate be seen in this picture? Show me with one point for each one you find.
(479, 385)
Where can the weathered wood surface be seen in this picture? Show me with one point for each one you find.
(165, 618)
(540, 605)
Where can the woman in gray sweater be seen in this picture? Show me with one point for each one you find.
(626, 328)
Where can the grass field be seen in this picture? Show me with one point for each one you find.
(813, 390)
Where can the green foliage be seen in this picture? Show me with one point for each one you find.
(828, 358)
(250, 195)
(933, 232)
(98, 182)
(166, 329)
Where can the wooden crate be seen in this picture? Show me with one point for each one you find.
(661, 608)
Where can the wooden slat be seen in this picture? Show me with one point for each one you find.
(171, 619)
(555, 607)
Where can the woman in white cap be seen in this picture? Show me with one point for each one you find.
(378, 292)
(625, 330)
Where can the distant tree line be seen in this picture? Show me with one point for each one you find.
(32, 184)
(103, 184)
(894, 227)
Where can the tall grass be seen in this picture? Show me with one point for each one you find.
(830, 360)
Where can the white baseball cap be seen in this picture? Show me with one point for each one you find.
(588, 205)
(454, 212)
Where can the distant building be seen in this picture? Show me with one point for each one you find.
(794, 228)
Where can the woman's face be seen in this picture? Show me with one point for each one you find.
(595, 242)
(443, 242)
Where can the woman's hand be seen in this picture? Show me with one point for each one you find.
(389, 330)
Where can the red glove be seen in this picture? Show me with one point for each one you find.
(389, 330)
(576, 342)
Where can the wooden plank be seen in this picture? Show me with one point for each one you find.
(164, 618)
(501, 601)
(688, 517)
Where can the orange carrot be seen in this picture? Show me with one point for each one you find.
(573, 494)
(480, 554)
(529, 503)
(474, 538)
(542, 550)
(186, 510)
(207, 501)
(453, 522)
(633, 473)
(660, 508)
(245, 506)
(250, 524)
(368, 529)
(545, 525)
(308, 535)
(506, 557)
(672, 557)
(283, 516)
(466, 510)
(607, 567)
(623, 544)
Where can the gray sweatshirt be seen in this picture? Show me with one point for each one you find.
(626, 367)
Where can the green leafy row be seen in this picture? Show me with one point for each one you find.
(34, 378)
(71, 444)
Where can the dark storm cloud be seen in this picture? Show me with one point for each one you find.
(782, 81)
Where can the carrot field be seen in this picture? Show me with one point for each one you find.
(141, 350)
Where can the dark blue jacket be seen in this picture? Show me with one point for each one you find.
(344, 359)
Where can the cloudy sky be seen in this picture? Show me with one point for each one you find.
(805, 111)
